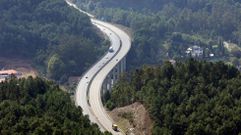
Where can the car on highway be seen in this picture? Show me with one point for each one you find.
(111, 49)
(89, 90)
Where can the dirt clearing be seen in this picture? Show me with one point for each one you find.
(133, 116)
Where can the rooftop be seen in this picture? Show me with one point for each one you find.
(8, 72)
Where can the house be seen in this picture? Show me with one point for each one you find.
(4, 74)
(194, 51)
(8, 72)
(173, 62)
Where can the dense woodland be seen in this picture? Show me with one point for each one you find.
(164, 29)
(55, 36)
(191, 98)
(35, 106)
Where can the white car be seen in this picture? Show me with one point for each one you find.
(111, 49)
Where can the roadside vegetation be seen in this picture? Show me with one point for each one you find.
(36, 106)
(164, 29)
(56, 37)
(189, 97)
(186, 98)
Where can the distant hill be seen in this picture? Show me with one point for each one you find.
(55, 36)
(187, 98)
(164, 29)
(156, 5)
(35, 106)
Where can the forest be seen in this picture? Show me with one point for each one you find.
(53, 35)
(36, 106)
(164, 29)
(187, 98)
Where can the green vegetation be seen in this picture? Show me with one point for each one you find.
(164, 29)
(191, 98)
(34, 106)
(55, 36)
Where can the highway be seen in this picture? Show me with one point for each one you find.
(88, 92)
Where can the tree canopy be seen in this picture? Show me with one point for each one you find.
(43, 29)
(164, 29)
(35, 106)
(188, 98)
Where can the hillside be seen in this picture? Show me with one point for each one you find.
(53, 35)
(188, 98)
(164, 29)
(35, 106)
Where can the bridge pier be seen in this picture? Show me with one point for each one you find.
(113, 76)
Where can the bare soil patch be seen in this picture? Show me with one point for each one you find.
(133, 116)
(21, 65)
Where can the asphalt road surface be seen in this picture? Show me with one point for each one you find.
(88, 92)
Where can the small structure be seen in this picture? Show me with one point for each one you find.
(5, 74)
(172, 61)
(8, 72)
(194, 51)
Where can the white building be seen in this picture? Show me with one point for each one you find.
(4, 74)
(195, 51)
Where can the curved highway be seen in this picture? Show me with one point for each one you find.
(88, 92)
